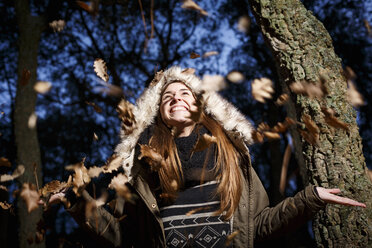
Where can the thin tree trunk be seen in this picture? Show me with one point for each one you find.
(303, 50)
(28, 153)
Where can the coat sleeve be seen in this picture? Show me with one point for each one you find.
(292, 212)
(102, 224)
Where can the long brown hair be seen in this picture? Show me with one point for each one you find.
(227, 161)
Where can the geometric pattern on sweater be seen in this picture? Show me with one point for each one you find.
(200, 229)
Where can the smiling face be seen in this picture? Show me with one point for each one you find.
(177, 103)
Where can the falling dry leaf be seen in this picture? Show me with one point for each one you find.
(280, 128)
(312, 138)
(349, 73)
(310, 124)
(213, 83)
(5, 205)
(30, 196)
(111, 90)
(42, 87)
(16, 173)
(194, 55)
(154, 159)
(80, 177)
(191, 5)
(244, 24)
(5, 162)
(57, 25)
(368, 27)
(188, 71)
(230, 238)
(271, 135)
(32, 121)
(95, 171)
(257, 137)
(204, 142)
(211, 53)
(125, 110)
(95, 137)
(309, 89)
(118, 184)
(92, 8)
(101, 69)
(263, 127)
(235, 77)
(95, 107)
(54, 187)
(283, 98)
(353, 96)
(2, 187)
(193, 211)
(331, 119)
(262, 88)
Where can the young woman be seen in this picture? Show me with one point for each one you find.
(202, 193)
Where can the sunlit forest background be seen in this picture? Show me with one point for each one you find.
(77, 119)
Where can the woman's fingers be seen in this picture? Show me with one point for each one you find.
(328, 195)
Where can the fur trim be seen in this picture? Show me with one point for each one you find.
(237, 127)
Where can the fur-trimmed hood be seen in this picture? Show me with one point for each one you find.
(237, 127)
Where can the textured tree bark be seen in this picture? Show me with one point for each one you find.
(303, 50)
(28, 152)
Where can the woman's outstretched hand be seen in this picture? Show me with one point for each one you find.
(328, 195)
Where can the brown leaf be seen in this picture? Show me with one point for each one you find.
(213, 83)
(25, 78)
(263, 127)
(312, 138)
(101, 69)
(271, 135)
(257, 137)
(244, 24)
(188, 71)
(154, 159)
(30, 196)
(5, 205)
(280, 128)
(95, 171)
(211, 53)
(80, 177)
(193, 211)
(118, 184)
(95, 137)
(235, 77)
(95, 106)
(353, 96)
(111, 90)
(332, 120)
(2, 187)
(191, 5)
(57, 25)
(32, 120)
(349, 73)
(283, 98)
(317, 90)
(92, 8)
(368, 27)
(54, 187)
(289, 121)
(16, 173)
(262, 88)
(42, 87)
(194, 55)
(5, 162)
(230, 238)
(310, 124)
(204, 142)
(125, 111)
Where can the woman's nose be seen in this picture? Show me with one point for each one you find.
(175, 99)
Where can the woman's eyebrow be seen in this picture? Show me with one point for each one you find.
(172, 92)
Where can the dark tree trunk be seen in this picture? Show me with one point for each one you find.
(303, 50)
(28, 152)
